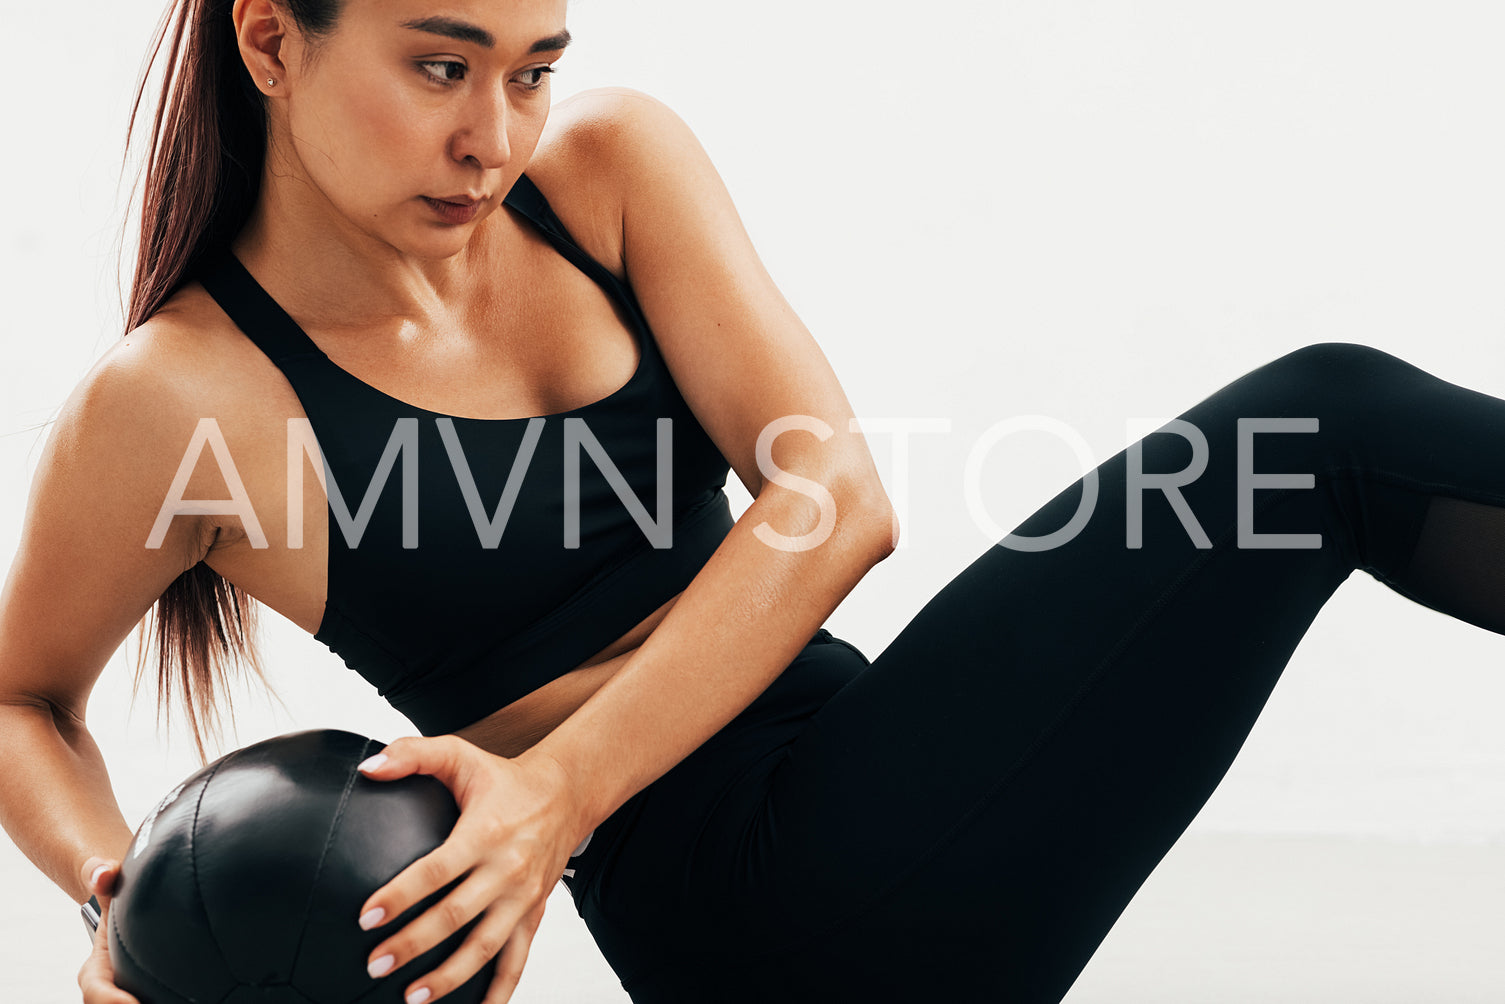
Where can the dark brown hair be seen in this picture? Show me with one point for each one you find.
(203, 175)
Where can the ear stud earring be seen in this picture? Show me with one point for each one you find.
(271, 82)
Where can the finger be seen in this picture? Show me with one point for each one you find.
(509, 965)
(461, 851)
(97, 978)
(99, 990)
(99, 876)
(462, 905)
(415, 883)
(495, 933)
(444, 757)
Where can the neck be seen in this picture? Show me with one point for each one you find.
(334, 273)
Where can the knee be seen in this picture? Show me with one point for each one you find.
(1355, 396)
(1337, 365)
(1350, 389)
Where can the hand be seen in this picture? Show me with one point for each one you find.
(512, 843)
(97, 978)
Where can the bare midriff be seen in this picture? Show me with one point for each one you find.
(516, 727)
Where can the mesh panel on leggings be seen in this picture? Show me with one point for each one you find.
(1458, 565)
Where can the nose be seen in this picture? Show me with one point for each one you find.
(482, 135)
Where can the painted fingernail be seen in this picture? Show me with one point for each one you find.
(380, 967)
(373, 763)
(94, 877)
(417, 996)
(371, 918)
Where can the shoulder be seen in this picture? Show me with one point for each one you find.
(133, 416)
(143, 378)
(610, 125)
(95, 512)
(602, 152)
(179, 362)
(128, 419)
(117, 443)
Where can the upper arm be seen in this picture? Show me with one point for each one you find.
(83, 574)
(740, 356)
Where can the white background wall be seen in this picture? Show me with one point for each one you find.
(1092, 209)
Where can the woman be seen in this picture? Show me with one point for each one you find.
(779, 857)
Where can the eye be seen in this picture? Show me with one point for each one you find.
(535, 77)
(446, 81)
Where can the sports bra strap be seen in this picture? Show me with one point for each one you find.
(529, 201)
(275, 332)
(252, 308)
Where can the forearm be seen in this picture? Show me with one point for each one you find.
(739, 623)
(55, 796)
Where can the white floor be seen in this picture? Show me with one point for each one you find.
(1225, 919)
(1320, 920)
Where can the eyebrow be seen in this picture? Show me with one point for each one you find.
(464, 31)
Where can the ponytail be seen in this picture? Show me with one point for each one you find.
(203, 175)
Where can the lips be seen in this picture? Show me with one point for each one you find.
(453, 213)
(457, 200)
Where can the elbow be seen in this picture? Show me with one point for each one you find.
(891, 542)
(886, 534)
(855, 511)
(877, 519)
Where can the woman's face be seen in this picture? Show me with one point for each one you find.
(416, 100)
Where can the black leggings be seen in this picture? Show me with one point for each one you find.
(966, 817)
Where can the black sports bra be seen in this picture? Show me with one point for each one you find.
(472, 560)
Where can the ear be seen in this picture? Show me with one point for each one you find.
(261, 29)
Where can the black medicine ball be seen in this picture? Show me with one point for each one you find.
(244, 886)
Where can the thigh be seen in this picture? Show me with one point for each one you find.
(1009, 770)
(662, 882)
(970, 813)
